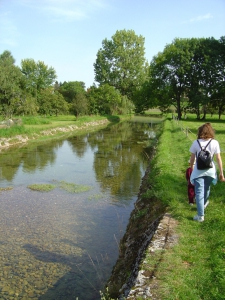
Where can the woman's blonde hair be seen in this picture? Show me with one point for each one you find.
(206, 132)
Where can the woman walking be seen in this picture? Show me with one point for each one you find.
(202, 179)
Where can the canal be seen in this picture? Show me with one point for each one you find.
(64, 206)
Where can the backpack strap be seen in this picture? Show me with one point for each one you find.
(205, 146)
(200, 144)
(208, 144)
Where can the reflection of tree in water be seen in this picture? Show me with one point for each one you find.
(118, 171)
(40, 156)
(30, 159)
(118, 162)
(79, 144)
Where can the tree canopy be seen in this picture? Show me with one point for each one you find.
(70, 89)
(38, 75)
(11, 82)
(188, 74)
(104, 100)
(121, 62)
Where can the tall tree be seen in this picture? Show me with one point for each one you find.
(70, 89)
(202, 74)
(104, 100)
(170, 70)
(24, 105)
(38, 75)
(11, 83)
(79, 104)
(121, 62)
(215, 73)
(51, 102)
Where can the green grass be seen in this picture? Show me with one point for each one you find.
(43, 123)
(14, 130)
(35, 120)
(195, 267)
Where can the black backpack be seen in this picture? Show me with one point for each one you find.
(204, 158)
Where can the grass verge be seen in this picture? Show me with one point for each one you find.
(195, 267)
(31, 125)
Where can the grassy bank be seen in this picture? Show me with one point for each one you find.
(31, 125)
(44, 128)
(195, 267)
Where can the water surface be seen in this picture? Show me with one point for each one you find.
(62, 245)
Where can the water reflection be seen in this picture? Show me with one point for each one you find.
(113, 156)
(58, 245)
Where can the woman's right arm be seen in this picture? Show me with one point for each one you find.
(192, 160)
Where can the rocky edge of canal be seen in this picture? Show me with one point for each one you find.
(23, 139)
(150, 229)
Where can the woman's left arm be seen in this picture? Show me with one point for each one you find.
(220, 165)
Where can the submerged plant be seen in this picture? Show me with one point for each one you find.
(6, 188)
(67, 186)
(95, 197)
(41, 187)
(73, 187)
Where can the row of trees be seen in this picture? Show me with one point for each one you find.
(189, 74)
(29, 89)
(32, 89)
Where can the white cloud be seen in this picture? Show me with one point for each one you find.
(66, 10)
(201, 18)
(65, 14)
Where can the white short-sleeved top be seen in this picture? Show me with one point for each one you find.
(213, 148)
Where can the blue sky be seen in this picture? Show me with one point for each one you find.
(66, 34)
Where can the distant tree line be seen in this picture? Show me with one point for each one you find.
(188, 75)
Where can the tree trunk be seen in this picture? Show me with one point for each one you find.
(179, 114)
(219, 112)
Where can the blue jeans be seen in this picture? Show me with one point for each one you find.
(202, 191)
